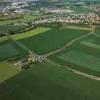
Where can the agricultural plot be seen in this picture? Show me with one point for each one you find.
(49, 82)
(11, 28)
(7, 71)
(81, 9)
(25, 18)
(82, 55)
(51, 40)
(31, 33)
(82, 59)
(9, 49)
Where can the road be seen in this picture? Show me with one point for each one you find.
(93, 77)
(76, 27)
(97, 78)
(67, 45)
(61, 49)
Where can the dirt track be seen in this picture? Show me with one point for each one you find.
(97, 78)
(67, 45)
(70, 69)
(76, 27)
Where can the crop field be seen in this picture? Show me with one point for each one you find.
(7, 71)
(23, 19)
(9, 49)
(82, 55)
(51, 40)
(81, 9)
(41, 40)
(49, 82)
(11, 28)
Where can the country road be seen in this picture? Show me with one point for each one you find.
(67, 45)
(77, 27)
(93, 77)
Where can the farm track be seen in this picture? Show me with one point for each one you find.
(98, 36)
(79, 28)
(93, 77)
(61, 49)
(97, 78)
(67, 45)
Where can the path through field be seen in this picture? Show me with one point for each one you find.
(76, 27)
(67, 45)
(97, 78)
(70, 69)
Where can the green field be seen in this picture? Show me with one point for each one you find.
(80, 9)
(12, 28)
(51, 40)
(25, 18)
(92, 45)
(82, 59)
(40, 40)
(43, 40)
(7, 71)
(49, 82)
(83, 55)
(9, 49)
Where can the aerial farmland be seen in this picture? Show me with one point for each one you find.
(49, 50)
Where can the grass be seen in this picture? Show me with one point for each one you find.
(40, 40)
(51, 40)
(89, 44)
(24, 19)
(82, 59)
(9, 49)
(28, 34)
(7, 71)
(86, 58)
(49, 82)
(11, 28)
(81, 9)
